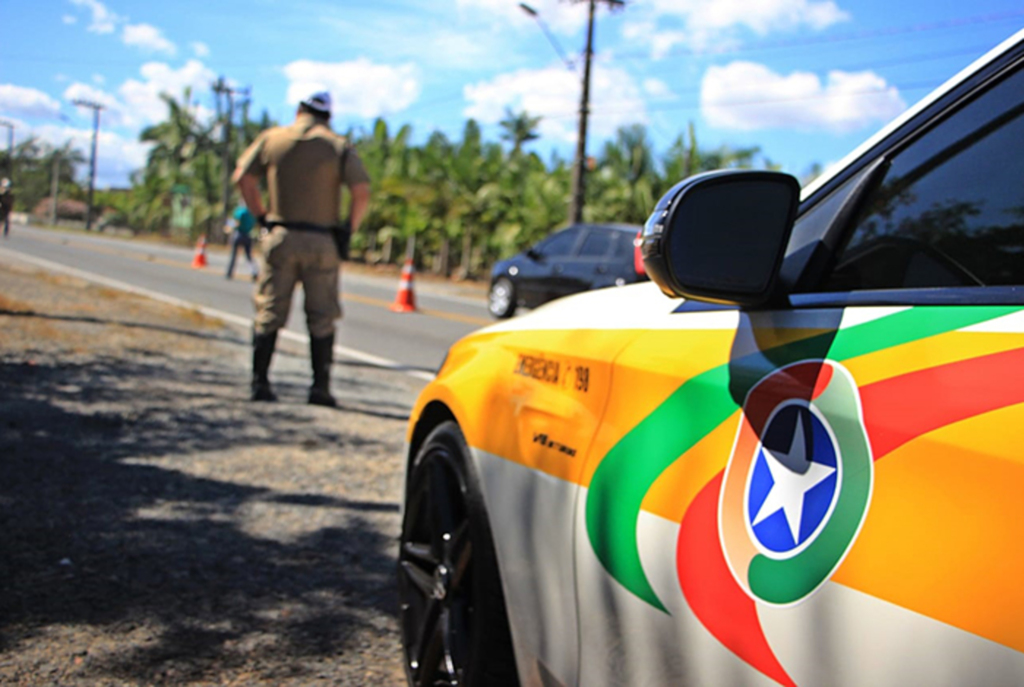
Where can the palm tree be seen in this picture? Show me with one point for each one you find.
(183, 154)
(681, 161)
(389, 162)
(519, 129)
(623, 189)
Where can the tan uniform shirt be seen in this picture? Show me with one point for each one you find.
(305, 164)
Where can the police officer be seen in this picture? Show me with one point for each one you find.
(305, 165)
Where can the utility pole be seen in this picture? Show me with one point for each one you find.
(579, 165)
(10, 148)
(96, 107)
(580, 161)
(10, 167)
(220, 87)
(54, 187)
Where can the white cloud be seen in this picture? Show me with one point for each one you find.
(200, 49)
(711, 24)
(141, 98)
(116, 156)
(148, 38)
(135, 104)
(27, 102)
(113, 114)
(99, 79)
(359, 88)
(103, 20)
(762, 17)
(450, 49)
(138, 103)
(560, 17)
(656, 88)
(749, 96)
(69, 19)
(553, 94)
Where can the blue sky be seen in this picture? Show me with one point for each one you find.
(805, 80)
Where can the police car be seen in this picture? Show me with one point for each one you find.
(793, 457)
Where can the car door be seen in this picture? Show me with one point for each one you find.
(544, 267)
(621, 264)
(828, 491)
(587, 267)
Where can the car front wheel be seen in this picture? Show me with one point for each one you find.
(453, 619)
(501, 300)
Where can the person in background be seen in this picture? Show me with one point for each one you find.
(241, 225)
(305, 165)
(6, 204)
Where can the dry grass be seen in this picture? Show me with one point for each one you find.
(11, 305)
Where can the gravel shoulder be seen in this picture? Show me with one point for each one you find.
(158, 528)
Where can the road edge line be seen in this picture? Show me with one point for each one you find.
(245, 323)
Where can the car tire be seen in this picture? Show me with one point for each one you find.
(501, 299)
(452, 609)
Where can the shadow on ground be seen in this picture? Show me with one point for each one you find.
(192, 595)
(223, 336)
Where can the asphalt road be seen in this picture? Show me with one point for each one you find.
(369, 332)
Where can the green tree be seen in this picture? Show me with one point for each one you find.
(183, 153)
(466, 202)
(33, 168)
(623, 187)
(519, 128)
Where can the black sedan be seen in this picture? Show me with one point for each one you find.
(578, 258)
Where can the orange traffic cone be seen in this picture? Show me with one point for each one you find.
(405, 301)
(199, 259)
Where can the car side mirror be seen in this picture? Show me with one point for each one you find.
(534, 255)
(720, 236)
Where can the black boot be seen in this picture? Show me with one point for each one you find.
(262, 352)
(321, 353)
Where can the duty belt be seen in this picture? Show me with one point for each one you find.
(301, 226)
(341, 233)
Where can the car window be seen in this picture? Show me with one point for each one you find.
(950, 210)
(596, 244)
(622, 245)
(559, 245)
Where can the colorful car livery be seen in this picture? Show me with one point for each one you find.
(807, 470)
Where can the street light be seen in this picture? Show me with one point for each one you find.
(579, 162)
(570, 64)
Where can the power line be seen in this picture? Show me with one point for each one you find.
(924, 85)
(852, 67)
(850, 37)
(668, 104)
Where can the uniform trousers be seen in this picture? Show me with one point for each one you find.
(290, 257)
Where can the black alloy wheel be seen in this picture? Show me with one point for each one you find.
(453, 620)
(501, 299)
